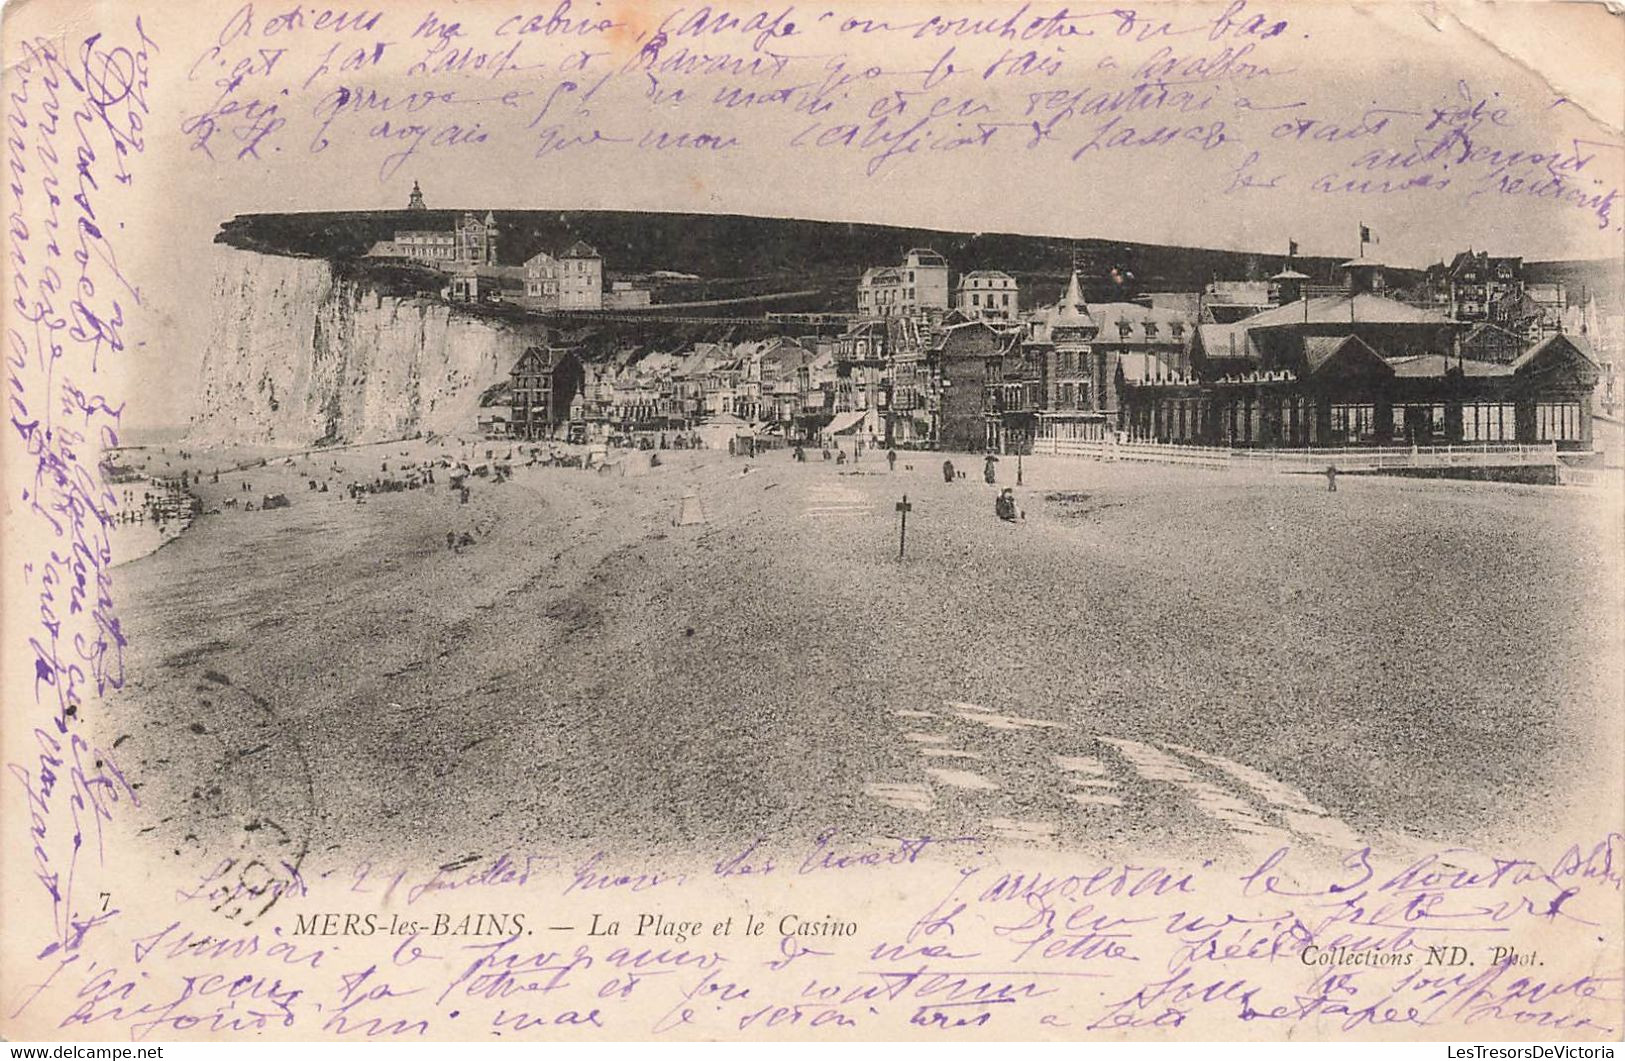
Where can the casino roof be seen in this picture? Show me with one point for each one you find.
(1363, 308)
(1427, 366)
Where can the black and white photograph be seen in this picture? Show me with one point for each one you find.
(979, 522)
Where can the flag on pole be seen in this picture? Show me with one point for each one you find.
(1291, 248)
(1365, 235)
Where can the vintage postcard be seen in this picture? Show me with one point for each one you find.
(854, 520)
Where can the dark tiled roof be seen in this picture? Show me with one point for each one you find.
(1434, 366)
(1336, 309)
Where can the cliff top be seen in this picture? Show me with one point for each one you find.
(734, 255)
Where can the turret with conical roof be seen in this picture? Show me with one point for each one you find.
(1073, 310)
(1070, 323)
(415, 201)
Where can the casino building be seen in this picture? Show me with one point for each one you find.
(1350, 367)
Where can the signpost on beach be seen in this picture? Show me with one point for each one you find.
(903, 508)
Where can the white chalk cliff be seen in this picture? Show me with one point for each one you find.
(298, 356)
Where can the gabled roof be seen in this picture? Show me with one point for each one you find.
(1322, 350)
(580, 249)
(1486, 330)
(1435, 366)
(1482, 258)
(1557, 349)
(783, 344)
(540, 358)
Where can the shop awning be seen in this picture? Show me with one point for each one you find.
(844, 423)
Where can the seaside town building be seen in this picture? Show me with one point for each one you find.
(1356, 368)
(964, 355)
(1079, 348)
(543, 384)
(1282, 363)
(1012, 395)
(1063, 336)
(581, 277)
(920, 283)
(1483, 288)
(542, 279)
(429, 246)
(471, 241)
(477, 239)
(1480, 287)
(988, 293)
(574, 280)
(463, 283)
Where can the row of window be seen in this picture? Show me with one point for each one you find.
(1072, 395)
(1557, 421)
(1354, 422)
(1489, 423)
(1358, 422)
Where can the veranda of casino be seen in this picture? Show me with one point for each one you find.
(1453, 405)
(1357, 369)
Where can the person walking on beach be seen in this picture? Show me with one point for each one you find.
(891, 460)
(988, 471)
(1331, 478)
(947, 471)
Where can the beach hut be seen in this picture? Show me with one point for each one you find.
(719, 430)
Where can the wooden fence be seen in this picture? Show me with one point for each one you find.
(1346, 459)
